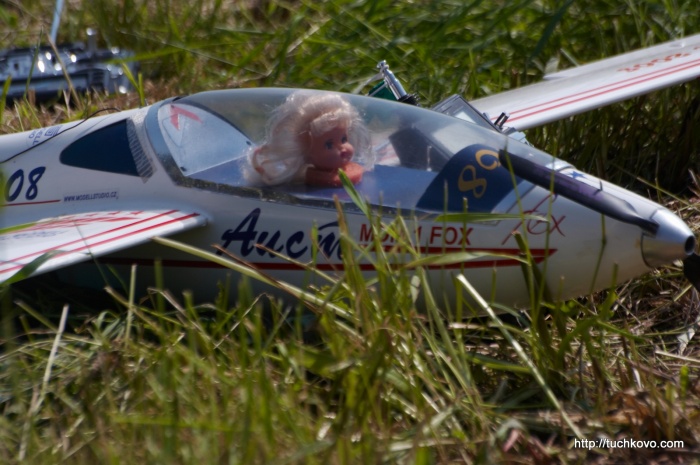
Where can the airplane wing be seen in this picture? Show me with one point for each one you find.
(597, 84)
(53, 243)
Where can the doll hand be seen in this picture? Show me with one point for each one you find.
(354, 172)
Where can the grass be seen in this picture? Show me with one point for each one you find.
(360, 375)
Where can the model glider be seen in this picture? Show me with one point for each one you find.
(96, 192)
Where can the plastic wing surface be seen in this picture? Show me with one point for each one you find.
(597, 84)
(65, 240)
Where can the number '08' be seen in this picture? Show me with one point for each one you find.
(16, 184)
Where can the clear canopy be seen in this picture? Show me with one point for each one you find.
(211, 136)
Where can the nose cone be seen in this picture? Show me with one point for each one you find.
(673, 241)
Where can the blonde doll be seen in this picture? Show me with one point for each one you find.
(310, 137)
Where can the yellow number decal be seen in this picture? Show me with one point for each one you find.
(487, 153)
(473, 183)
(478, 185)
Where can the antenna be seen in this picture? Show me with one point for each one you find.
(394, 85)
(56, 20)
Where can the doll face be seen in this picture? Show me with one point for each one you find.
(331, 149)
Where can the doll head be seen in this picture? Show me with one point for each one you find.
(328, 145)
(321, 129)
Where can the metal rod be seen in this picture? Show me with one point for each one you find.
(56, 20)
(391, 81)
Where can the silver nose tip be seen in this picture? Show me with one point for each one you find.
(673, 241)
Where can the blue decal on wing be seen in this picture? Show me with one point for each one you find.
(473, 176)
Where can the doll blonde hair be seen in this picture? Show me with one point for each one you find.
(305, 114)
